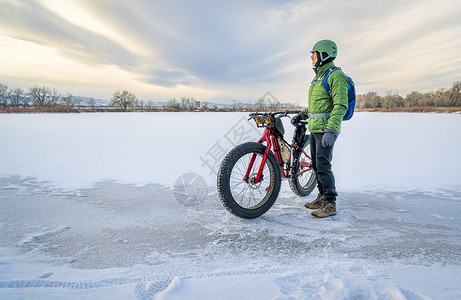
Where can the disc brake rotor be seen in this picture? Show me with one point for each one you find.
(252, 181)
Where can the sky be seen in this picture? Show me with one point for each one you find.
(225, 51)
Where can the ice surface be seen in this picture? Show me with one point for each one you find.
(89, 209)
(374, 151)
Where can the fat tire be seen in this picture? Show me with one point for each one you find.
(298, 188)
(223, 181)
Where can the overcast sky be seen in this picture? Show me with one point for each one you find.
(226, 50)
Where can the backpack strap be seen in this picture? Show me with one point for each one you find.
(325, 78)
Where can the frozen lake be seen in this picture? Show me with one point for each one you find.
(89, 209)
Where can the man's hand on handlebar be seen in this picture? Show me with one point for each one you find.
(299, 119)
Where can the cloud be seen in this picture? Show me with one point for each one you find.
(167, 78)
(242, 48)
(217, 42)
(29, 21)
(407, 43)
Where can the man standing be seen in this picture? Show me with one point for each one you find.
(325, 111)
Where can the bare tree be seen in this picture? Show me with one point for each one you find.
(17, 97)
(187, 104)
(412, 99)
(173, 104)
(4, 95)
(92, 102)
(53, 97)
(442, 97)
(260, 102)
(455, 94)
(369, 100)
(40, 95)
(67, 100)
(391, 100)
(78, 102)
(123, 99)
(150, 102)
(428, 99)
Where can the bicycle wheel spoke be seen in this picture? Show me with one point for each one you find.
(305, 176)
(233, 186)
(249, 193)
(242, 194)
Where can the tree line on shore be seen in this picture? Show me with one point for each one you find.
(50, 99)
(43, 99)
(444, 97)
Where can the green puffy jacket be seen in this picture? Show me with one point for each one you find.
(320, 102)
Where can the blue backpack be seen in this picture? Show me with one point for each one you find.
(350, 92)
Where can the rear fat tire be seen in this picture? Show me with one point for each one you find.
(303, 185)
(235, 193)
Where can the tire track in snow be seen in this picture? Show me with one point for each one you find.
(146, 287)
(292, 282)
(151, 285)
(82, 285)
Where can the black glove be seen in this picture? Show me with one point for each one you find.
(296, 119)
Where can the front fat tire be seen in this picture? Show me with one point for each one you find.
(236, 159)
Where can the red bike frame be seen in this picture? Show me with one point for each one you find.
(271, 141)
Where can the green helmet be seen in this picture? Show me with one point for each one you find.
(327, 46)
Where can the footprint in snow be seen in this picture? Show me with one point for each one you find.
(401, 210)
(440, 217)
(46, 275)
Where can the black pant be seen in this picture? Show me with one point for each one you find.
(321, 163)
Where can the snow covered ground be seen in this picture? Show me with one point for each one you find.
(90, 209)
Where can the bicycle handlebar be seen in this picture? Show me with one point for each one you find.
(273, 114)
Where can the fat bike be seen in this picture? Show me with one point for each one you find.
(250, 175)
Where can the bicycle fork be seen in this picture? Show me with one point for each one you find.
(259, 176)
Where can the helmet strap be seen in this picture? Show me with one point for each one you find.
(323, 58)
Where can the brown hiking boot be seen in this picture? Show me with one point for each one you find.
(328, 210)
(317, 203)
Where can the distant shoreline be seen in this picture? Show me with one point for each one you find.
(416, 109)
(64, 109)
